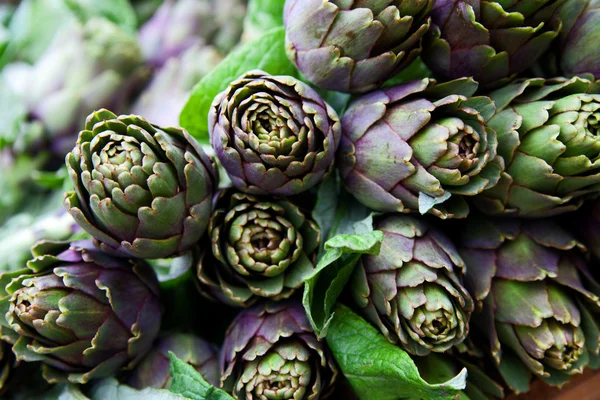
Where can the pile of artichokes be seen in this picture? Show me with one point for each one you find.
(298, 199)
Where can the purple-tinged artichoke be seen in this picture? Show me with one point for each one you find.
(140, 190)
(354, 46)
(490, 40)
(576, 51)
(271, 352)
(181, 24)
(535, 295)
(274, 135)
(548, 138)
(81, 312)
(164, 97)
(419, 146)
(260, 248)
(412, 291)
(86, 67)
(153, 370)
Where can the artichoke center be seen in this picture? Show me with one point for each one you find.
(467, 144)
(593, 124)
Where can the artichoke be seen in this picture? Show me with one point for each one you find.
(412, 290)
(164, 97)
(576, 52)
(87, 67)
(271, 352)
(260, 248)
(80, 312)
(548, 138)
(492, 41)
(273, 134)
(419, 146)
(354, 46)
(140, 190)
(536, 297)
(153, 370)
(178, 25)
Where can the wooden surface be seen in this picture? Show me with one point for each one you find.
(583, 387)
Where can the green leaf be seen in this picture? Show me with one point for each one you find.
(323, 287)
(110, 388)
(376, 368)
(262, 16)
(266, 53)
(348, 214)
(417, 70)
(190, 384)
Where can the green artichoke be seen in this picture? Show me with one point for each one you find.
(412, 290)
(260, 248)
(80, 312)
(140, 190)
(271, 352)
(354, 46)
(548, 138)
(86, 67)
(153, 370)
(490, 40)
(538, 302)
(274, 135)
(419, 146)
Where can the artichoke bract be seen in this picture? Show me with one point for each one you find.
(81, 312)
(538, 302)
(412, 291)
(271, 352)
(153, 370)
(548, 138)
(86, 67)
(419, 146)
(492, 41)
(354, 46)
(260, 248)
(274, 135)
(140, 190)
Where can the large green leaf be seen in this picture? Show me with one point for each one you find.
(262, 16)
(190, 384)
(266, 53)
(378, 369)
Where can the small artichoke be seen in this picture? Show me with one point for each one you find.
(273, 134)
(271, 352)
(260, 248)
(86, 67)
(536, 297)
(153, 370)
(412, 290)
(490, 40)
(354, 46)
(140, 190)
(80, 312)
(419, 146)
(548, 138)
(179, 25)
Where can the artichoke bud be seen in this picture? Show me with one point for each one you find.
(140, 190)
(260, 247)
(71, 311)
(271, 352)
(274, 135)
(414, 293)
